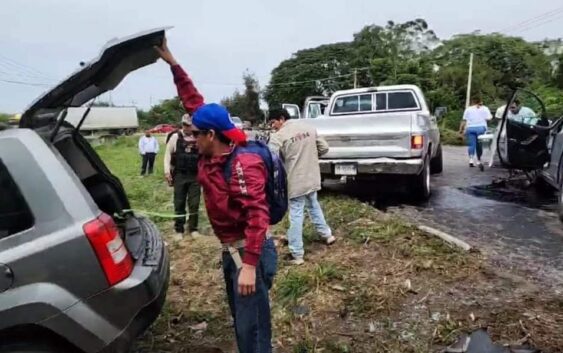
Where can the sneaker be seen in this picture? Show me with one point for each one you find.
(296, 261)
(330, 240)
(178, 237)
(195, 234)
(471, 162)
(481, 166)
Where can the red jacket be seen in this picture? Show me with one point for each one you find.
(238, 210)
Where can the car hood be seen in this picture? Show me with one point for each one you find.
(116, 60)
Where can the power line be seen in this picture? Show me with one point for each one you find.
(532, 20)
(23, 68)
(34, 84)
(541, 23)
(319, 79)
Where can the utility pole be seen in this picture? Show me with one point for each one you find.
(468, 97)
(355, 78)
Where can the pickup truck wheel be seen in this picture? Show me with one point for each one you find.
(421, 185)
(437, 163)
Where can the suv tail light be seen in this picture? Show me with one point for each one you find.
(114, 257)
(417, 142)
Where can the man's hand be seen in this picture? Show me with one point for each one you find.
(165, 53)
(169, 179)
(247, 280)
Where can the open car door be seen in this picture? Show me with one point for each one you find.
(293, 110)
(524, 133)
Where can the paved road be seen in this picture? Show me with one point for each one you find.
(515, 226)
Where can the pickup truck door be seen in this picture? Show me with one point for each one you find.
(293, 110)
(524, 141)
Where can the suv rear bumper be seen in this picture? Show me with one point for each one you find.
(110, 321)
(383, 165)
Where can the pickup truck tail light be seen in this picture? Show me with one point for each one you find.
(417, 142)
(112, 253)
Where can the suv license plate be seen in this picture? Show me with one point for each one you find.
(345, 169)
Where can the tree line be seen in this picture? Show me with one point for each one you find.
(402, 53)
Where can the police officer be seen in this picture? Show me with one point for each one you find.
(180, 168)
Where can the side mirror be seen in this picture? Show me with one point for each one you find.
(440, 112)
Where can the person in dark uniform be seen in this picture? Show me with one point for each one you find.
(180, 170)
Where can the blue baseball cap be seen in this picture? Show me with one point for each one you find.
(216, 117)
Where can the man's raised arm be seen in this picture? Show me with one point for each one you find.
(189, 95)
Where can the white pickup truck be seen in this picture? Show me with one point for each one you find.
(378, 131)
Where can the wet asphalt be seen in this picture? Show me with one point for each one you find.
(515, 225)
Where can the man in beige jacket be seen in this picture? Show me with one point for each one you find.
(299, 146)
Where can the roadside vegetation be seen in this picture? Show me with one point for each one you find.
(403, 53)
(384, 287)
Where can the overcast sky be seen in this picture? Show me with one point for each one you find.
(42, 41)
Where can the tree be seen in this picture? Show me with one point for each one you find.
(389, 54)
(168, 111)
(389, 46)
(246, 105)
(317, 71)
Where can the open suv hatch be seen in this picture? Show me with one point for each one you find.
(79, 271)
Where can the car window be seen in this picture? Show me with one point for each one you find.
(315, 110)
(15, 215)
(401, 100)
(381, 101)
(365, 103)
(351, 104)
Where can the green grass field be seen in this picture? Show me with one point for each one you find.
(384, 287)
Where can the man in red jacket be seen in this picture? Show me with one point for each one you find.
(238, 212)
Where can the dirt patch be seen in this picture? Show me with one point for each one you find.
(384, 287)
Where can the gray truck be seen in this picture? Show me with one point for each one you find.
(79, 271)
(376, 132)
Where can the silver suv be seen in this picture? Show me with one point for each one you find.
(79, 271)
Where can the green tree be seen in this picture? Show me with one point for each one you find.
(317, 71)
(246, 105)
(168, 111)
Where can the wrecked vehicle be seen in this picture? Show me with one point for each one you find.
(377, 132)
(81, 272)
(531, 140)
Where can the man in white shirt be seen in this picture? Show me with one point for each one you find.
(148, 148)
(517, 112)
(473, 125)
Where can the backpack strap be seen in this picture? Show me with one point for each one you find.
(228, 169)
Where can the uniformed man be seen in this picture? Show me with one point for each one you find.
(180, 168)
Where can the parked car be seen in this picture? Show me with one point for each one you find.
(534, 143)
(237, 121)
(380, 131)
(80, 271)
(163, 129)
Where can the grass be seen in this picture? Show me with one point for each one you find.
(451, 137)
(352, 297)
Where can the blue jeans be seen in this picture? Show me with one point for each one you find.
(251, 314)
(296, 217)
(473, 146)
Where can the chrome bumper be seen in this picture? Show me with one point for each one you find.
(375, 166)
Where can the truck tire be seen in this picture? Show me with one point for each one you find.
(421, 184)
(437, 163)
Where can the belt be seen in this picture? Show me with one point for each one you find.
(239, 244)
(234, 247)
